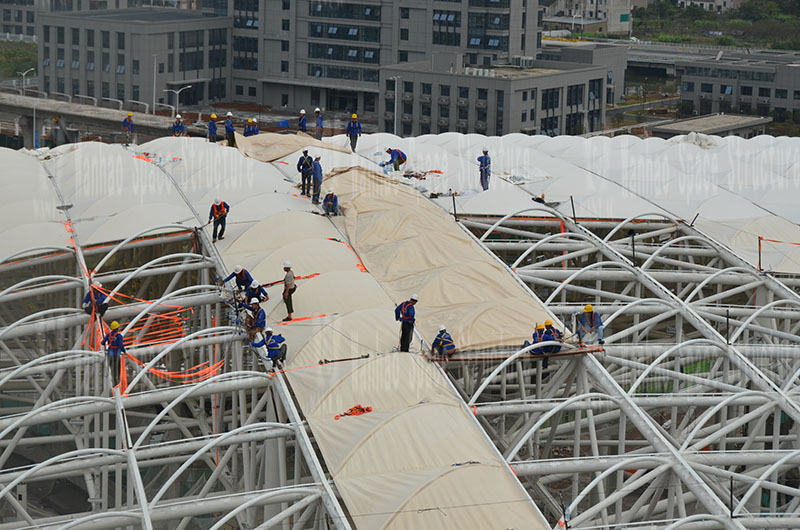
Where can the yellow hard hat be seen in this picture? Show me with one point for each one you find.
(354, 116)
(130, 114)
(548, 322)
(539, 326)
(250, 120)
(214, 116)
(114, 325)
(588, 308)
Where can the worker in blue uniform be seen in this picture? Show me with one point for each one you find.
(555, 333)
(443, 344)
(330, 203)
(258, 321)
(485, 168)
(316, 175)
(254, 130)
(248, 129)
(318, 130)
(127, 127)
(275, 345)
(230, 130)
(243, 277)
(405, 314)
(256, 290)
(397, 158)
(305, 166)
(178, 128)
(115, 343)
(590, 323)
(353, 131)
(212, 129)
(301, 123)
(95, 300)
(219, 213)
(540, 334)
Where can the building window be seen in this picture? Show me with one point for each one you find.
(286, 5)
(797, 94)
(284, 66)
(60, 35)
(402, 56)
(444, 90)
(369, 102)
(76, 59)
(46, 34)
(76, 37)
(550, 98)
(764, 92)
(532, 115)
(404, 12)
(90, 37)
(160, 68)
(426, 89)
(408, 87)
(408, 107)
(90, 88)
(135, 67)
(217, 58)
(285, 24)
(285, 100)
(687, 86)
(726, 89)
(120, 91)
(781, 93)
(239, 90)
(106, 62)
(120, 40)
(190, 61)
(500, 110)
(106, 89)
(706, 88)
(284, 45)
(463, 92)
(746, 90)
(525, 95)
(424, 129)
(170, 63)
(251, 91)
(425, 109)
(327, 9)
(105, 37)
(403, 34)
(524, 116)
(444, 111)
(135, 93)
(575, 95)
(463, 113)
(483, 94)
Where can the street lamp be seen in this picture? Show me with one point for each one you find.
(396, 80)
(576, 15)
(177, 96)
(155, 57)
(23, 74)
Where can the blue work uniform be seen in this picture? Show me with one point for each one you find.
(259, 292)
(319, 127)
(302, 123)
(229, 126)
(316, 173)
(353, 131)
(272, 343)
(443, 344)
(590, 323)
(485, 168)
(331, 204)
(178, 128)
(254, 130)
(212, 130)
(248, 130)
(95, 301)
(127, 125)
(305, 166)
(220, 215)
(557, 335)
(115, 341)
(259, 317)
(397, 157)
(406, 315)
(243, 279)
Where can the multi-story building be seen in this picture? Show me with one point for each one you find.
(766, 83)
(613, 56)
(19, 16)
(441, 95)
(127, 54)
(611, 16)
(711, 5)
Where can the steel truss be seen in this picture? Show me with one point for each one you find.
(688, 418)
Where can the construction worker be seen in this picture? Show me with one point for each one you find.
(255, 290)
(254, 129)
(248, 129)
(330, 203)
(275, 345)
(289, 288)
(557, 335)
(485, 168)
(243, 277)
(318, 130)
(115, 343)
(589, 324)
(540, 334)
(306, 167)
(302, 121)
(443, 345)
(212, 129)
(404, 313)
(229, 130)
(397, 158)
(353, 131)
(95, 300)
(127, 127)
(178, 128)
(258, 319)
(219, 213)
(316, 174)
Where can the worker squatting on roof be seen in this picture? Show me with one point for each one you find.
(219, 214)
(396, 158)
(485, 168)
(545, 333)
(353, 131)
(251, 129)
(590, 325)
(305, 166)
(443, 345)
(405, 314)
(269, 347)
(115, 343)
(330, 203)
(178, 128)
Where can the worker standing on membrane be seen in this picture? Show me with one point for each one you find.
(305, 166)
(212, 129)
(485, 168)
(289, 288)
(353, 131)
(127, 128)
(301, 123)
(405, 314)
(229, 130)
(219, 213)
(318, 130)
(316, 174)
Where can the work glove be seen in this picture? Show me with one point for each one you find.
(601, 341)
(382, 164)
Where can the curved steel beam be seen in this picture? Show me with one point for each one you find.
(53, 404)
(714, 275)
(671, 242)
(761, 479)
(96, 516)
(576, 274)
(505, 218)
(757, 312)
(31, 249)
(159, 259)
(633, 304)
(669, 352)
(46, 358)
(23, 283)
(39, 314)
(124, 242)
(304, 491)
(713, 410)
(619, 226)
(560, 235)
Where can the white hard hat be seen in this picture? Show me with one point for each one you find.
(255, 120)
(316, 109)
(485, 149)
(229, 114)
(267, 330)
(255, 301)
(415, 297)
(217, 201)
(441, 327)
(330, 190)
(287, 265)
(254, 284)
(302, 111)
(178, 116)
(237, 269)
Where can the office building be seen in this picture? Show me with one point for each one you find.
(613, 57)
(588, 16)
(442, 94)
(716, 124)
(711, 5)
(114, 55)
(764, 83)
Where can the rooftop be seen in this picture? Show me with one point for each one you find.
(712, 124)
(147, 15)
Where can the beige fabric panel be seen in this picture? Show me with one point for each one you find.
(269, 147)
(412, 246)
